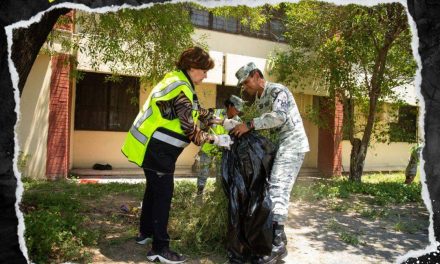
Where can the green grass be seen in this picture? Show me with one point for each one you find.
(345, 235)
(62, 219)
(373, 213)
(383, 188)
(53, 224)
(404, 227)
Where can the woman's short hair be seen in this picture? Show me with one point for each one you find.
(195, 58)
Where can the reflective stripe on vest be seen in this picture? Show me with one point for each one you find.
(149, 119)
(170, 88)
(169, 139)
(135, 128)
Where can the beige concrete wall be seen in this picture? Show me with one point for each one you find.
(380, 156)
(304, 101)
(238, 44)
(33, 125)
(90, 147)
(250, 48)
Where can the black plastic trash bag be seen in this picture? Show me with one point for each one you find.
(245, 173)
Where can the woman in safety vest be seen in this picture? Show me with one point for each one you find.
(163, 128)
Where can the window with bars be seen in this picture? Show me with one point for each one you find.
(200, 17)
(225, 24)
(224, 92)
(106, 105)
(277, 30)
(272, 30)
(405, 129)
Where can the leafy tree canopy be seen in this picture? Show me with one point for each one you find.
(146, 42)
(359, 54)
(343, 45)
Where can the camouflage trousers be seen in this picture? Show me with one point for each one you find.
(285, 169)
(207, 164)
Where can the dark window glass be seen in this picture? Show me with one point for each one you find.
(224, 24)
(231, 25)
(200, 17)
(272, 30)
(405, 130)
(277, 30)
(219, 23)
(105, 105)
(263, 31)
(224, 92)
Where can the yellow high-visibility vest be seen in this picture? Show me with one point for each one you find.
(217, 130)
(150, 119)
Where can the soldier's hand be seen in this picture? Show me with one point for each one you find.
(229, 124)
(240, 130)
(216, 121)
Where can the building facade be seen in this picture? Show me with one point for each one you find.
(67, 124)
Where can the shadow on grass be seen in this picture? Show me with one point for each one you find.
(347, 218)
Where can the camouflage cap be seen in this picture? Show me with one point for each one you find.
(238, 102)
(244, 71)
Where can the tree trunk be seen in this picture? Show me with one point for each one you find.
(9, 246)
(357, 160)
(28, 41)
(411, 168)
(360, 147)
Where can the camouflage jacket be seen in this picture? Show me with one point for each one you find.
(279, 111)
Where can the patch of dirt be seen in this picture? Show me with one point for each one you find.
(119, 228)
(317, 234)
(328, 231)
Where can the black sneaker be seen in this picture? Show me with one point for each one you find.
(165, 256)
(278, 253)
(142, 240)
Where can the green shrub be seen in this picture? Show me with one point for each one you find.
(200, 227)
(384, 190)
(54, 234)
(56, 217)
(54, 224)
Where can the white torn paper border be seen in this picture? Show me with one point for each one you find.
(212, 3)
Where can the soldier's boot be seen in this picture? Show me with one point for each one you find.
(199, 197)
(279, 236)
(278, 253)
(200, 189)
(279, 250)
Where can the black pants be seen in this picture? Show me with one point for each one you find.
(156, 207)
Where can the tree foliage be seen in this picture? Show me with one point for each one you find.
(145, 42)
(148, 41)
(253, 17)
(359, 54)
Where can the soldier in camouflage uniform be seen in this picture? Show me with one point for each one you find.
(279, 112)
(208, 154)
